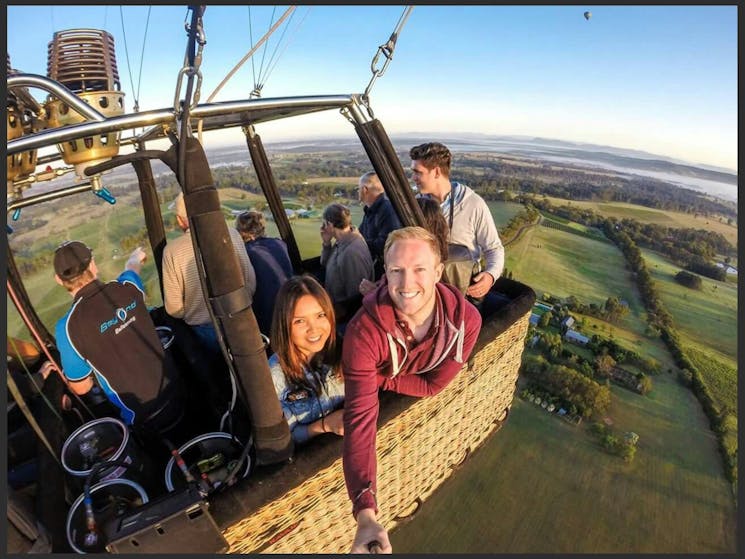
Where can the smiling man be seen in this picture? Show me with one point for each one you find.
(411, 336)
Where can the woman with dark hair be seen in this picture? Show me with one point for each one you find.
(306, 367)
(458, 262)
(436, 224)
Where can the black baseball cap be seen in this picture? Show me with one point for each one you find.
(71, 259)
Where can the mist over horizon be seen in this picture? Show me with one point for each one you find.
(710, 179)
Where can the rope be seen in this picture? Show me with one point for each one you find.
(142, 53)
(386, 50)
(287, 44)
(240, 63)
(126, 53)
(251, 52)
(135, 93)
(263, 54)
(251, 38)
(16, 301)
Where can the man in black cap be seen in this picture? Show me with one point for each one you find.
(108, 343)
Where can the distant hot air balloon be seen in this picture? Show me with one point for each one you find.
(588, 15)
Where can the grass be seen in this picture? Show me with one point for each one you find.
(568, 264)
(718, 376)
(629, 334)
(543, 486)
(560, 223)
(563, 264)
(707, 317)
(666, 218)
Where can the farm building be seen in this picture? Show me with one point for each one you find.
(567, 323)
(576, 338)
(729, 269)
(534, 318)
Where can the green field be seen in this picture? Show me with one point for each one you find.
(568, 264)
(541, 485)
(707, 322)
(666, 218)
(707, 317)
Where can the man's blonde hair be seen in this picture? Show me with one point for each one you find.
(413, 233)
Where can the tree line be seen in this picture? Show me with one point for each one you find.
(661, 322)
(720, 420)
(688, 248)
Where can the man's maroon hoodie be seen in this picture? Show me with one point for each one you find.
(377, 353)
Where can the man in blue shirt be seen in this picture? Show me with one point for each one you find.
(380, 218)
(108, 343)
(271, 263)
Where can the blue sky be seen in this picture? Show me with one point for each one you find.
(662, 79)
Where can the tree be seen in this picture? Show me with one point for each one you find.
(688, 279)
(686, 378)
(614, 310)
(545, 319)
(604, 364)
(645, 384)
(626, 451)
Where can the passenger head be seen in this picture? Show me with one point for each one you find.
(370, 188)
(435, 224)
(303, 327)
(412, 269)
(338, 216)
(74, 266)
(414, 233)
(431, 155)
(179, 208)
(251, 225)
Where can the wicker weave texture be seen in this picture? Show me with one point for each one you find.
(417, 451)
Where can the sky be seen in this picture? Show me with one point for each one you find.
(661, 79)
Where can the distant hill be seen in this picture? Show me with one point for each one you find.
(534, 146)
(715, 181)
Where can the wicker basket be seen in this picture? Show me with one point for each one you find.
(419, 443)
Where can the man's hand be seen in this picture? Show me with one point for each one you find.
(46, 369)
(481, 285)
(326, 232)
(371, 537)
(136, 260)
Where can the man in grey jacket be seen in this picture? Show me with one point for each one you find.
(471, 223)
